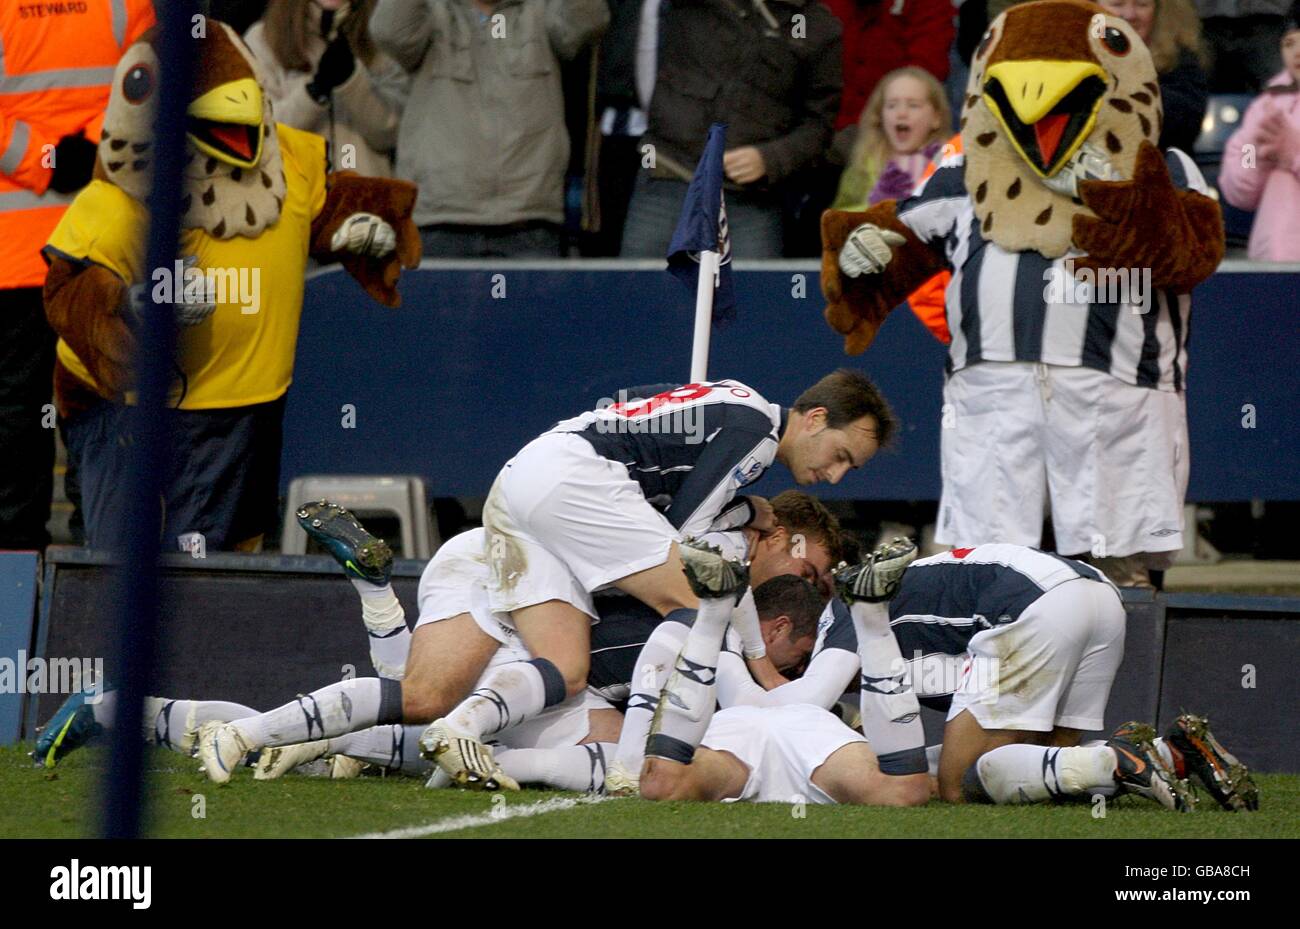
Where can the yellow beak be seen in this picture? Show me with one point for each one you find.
(1021, 93)
(226, 123)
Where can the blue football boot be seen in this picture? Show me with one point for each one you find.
(362, 555)
(71, 726)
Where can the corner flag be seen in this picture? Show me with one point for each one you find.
(702, 228)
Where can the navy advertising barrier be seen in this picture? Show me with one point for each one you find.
(481, 357)
(258, 629)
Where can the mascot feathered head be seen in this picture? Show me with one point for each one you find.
(1051, 82)
(233, 173)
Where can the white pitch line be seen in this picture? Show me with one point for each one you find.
(498, 815)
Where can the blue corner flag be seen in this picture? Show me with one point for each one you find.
(703, 226)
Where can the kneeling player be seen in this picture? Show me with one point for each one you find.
(1038, 639)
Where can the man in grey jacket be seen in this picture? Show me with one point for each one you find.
(770, 70)
(483, 130)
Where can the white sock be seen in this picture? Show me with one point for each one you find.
(509, 695)
(891, 714)
(105, 709)
(390, 639)
(332, 711)
(688, 699)
(1032, 773)
(167, 722)
(393, 747)
(932, 753)
(744, 617)
(574, 767)
(653, 665)
(174, 723)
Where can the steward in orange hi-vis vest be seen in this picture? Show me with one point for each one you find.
(56, 64)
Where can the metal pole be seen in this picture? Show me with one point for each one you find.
(709, 264)
(135, 606)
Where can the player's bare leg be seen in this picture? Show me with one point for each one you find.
(603, 725)
(559, 635)
(663, 588)
(964, 741)
(446, 658)
(852, 775)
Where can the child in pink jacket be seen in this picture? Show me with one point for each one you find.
(1261, 164)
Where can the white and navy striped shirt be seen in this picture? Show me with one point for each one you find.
(944, 600)
(998, 305)
(691, 448)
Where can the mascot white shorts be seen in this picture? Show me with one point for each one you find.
(1107, 459)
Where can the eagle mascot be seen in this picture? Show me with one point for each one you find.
(258, 201)
(1057, 188)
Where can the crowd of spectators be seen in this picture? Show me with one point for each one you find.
(549, 128)
(468, 98)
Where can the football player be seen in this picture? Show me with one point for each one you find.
(792, 753)
(604, 499)
(455, 647)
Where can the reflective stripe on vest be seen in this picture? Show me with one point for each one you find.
(26, 200)
(18, 142)
(56, 79)
(119, 21)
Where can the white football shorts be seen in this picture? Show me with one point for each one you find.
(782, 746)
(563, 521)
(1054, 666)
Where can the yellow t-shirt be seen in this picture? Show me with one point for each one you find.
(243, 353)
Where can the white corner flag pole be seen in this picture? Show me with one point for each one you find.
(708, 282)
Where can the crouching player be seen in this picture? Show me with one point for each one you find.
(770, 754)
(1038, 639)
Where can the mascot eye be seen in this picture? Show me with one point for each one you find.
(138, 84)
(1116, 41)
(984, 44)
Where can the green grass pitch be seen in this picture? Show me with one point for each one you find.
(63, 804)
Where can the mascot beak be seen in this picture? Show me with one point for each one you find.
(1046, 108)
(226, 123)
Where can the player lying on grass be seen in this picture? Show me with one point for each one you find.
(452, 611)
(458, 635)
(542, 751)
(794, 753)
(604, 499)
(832, 670)
(1039, 672)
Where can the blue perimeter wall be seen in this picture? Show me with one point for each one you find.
(455, 381)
